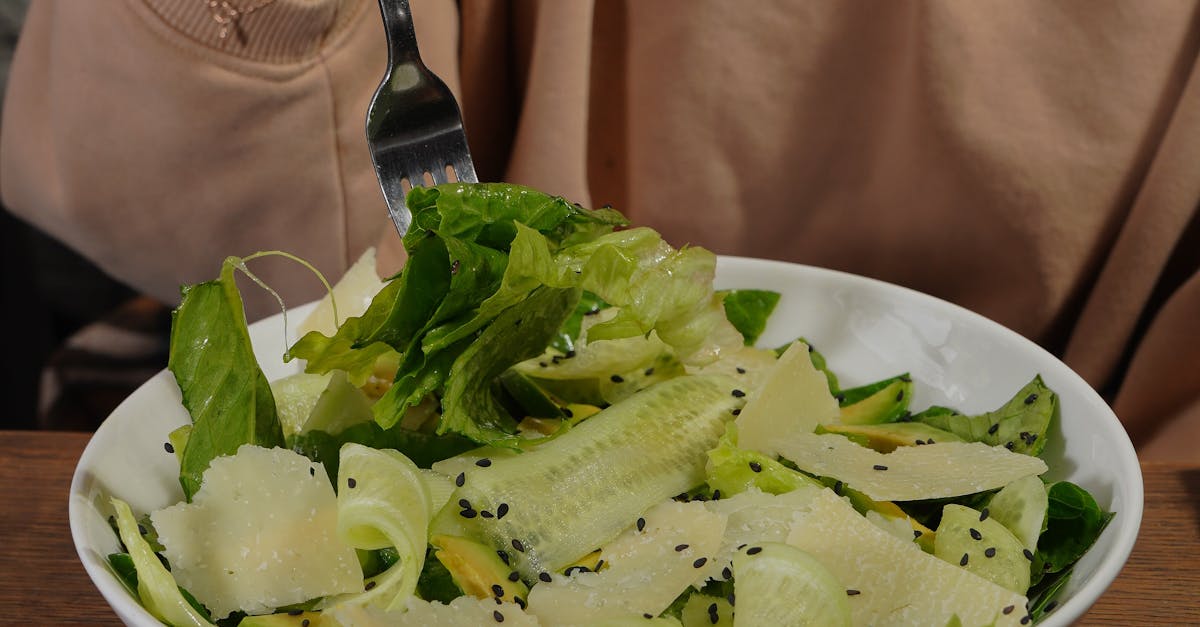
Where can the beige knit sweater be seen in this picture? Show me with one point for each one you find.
(1038, 162)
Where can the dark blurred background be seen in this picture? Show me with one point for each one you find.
(75, 341)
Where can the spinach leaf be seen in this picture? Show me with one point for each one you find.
(223, 388)
(568, 334)
(748, 311)
(1073, 523)
(471, 405)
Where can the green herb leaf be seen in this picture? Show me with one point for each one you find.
(223, 388)
(748, 311)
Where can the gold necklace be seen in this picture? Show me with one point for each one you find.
(229, 17)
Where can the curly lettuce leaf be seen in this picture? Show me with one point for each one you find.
(223, 388)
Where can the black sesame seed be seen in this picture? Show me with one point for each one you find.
(468, 513)
(568, 413)
(731, 598)
(1025, 619)
(916, 533)
(464, 503)
(1050, 606)
(1029, 400)
(545, 577)
(647, 615)
(312, 471)
(503, 557)
(497, 590)
(350, 483)
(501, 510)
(737, 411)
(841, 398)
(756, 467)
(370, 584)
(852, 592)
(983, 514)
(837, 488)
(516, 544)
(899, 396)
(295, 612)
(1028, 554)
(929, 441)
(454, 267)
(879, 467)
(1009, 445)
(700, 562)
(741, 546)
(754, 550)
(989, 552)
(168, 448)
(738, 393)
(599, 565)
(963, 561)
(141, 529)
(1008, 609)
(483, 463)
(726, 573)
(716, 495)
(712, 608)
(975, 535)
(542, 364)
(649, 372)
(460, 479)
(498, 616)
(556, 359)
(304, 623)
(514, 576)
(680, 547)
(641, 524)
(919, 442)
(741, 370)
(519, 601)
(616, 378)
(486, 514)
(569, 354)
(993, 429)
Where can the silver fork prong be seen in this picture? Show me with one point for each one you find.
(439, 175)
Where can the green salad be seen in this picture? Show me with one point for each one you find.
(550, 417)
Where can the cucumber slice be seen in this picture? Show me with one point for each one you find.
(702, 610)
(983, 546)
(779, 584)
(601, 475)
(1021, 506)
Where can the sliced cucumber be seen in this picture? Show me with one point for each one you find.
(779, 584)
(702, 610)
(1021, 506)
(983, 546)
(601, 475)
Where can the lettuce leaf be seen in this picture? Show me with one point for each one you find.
(483, 250)
(223, 388)
(156, 588)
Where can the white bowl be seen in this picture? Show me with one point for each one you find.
(867, 330)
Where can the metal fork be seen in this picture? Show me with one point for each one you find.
(414, 126)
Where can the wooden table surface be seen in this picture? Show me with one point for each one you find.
(43, 583)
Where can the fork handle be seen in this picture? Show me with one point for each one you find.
(401, 39)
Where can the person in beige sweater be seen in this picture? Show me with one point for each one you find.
(1037, 162)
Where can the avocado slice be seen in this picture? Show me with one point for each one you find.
(876, 403)
(478, 569)
(886, 437)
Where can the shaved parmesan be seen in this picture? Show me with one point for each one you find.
(464, 610)
(260, 533)
(792, 401)
(896, 582)
(909, 473)
(646, 570)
